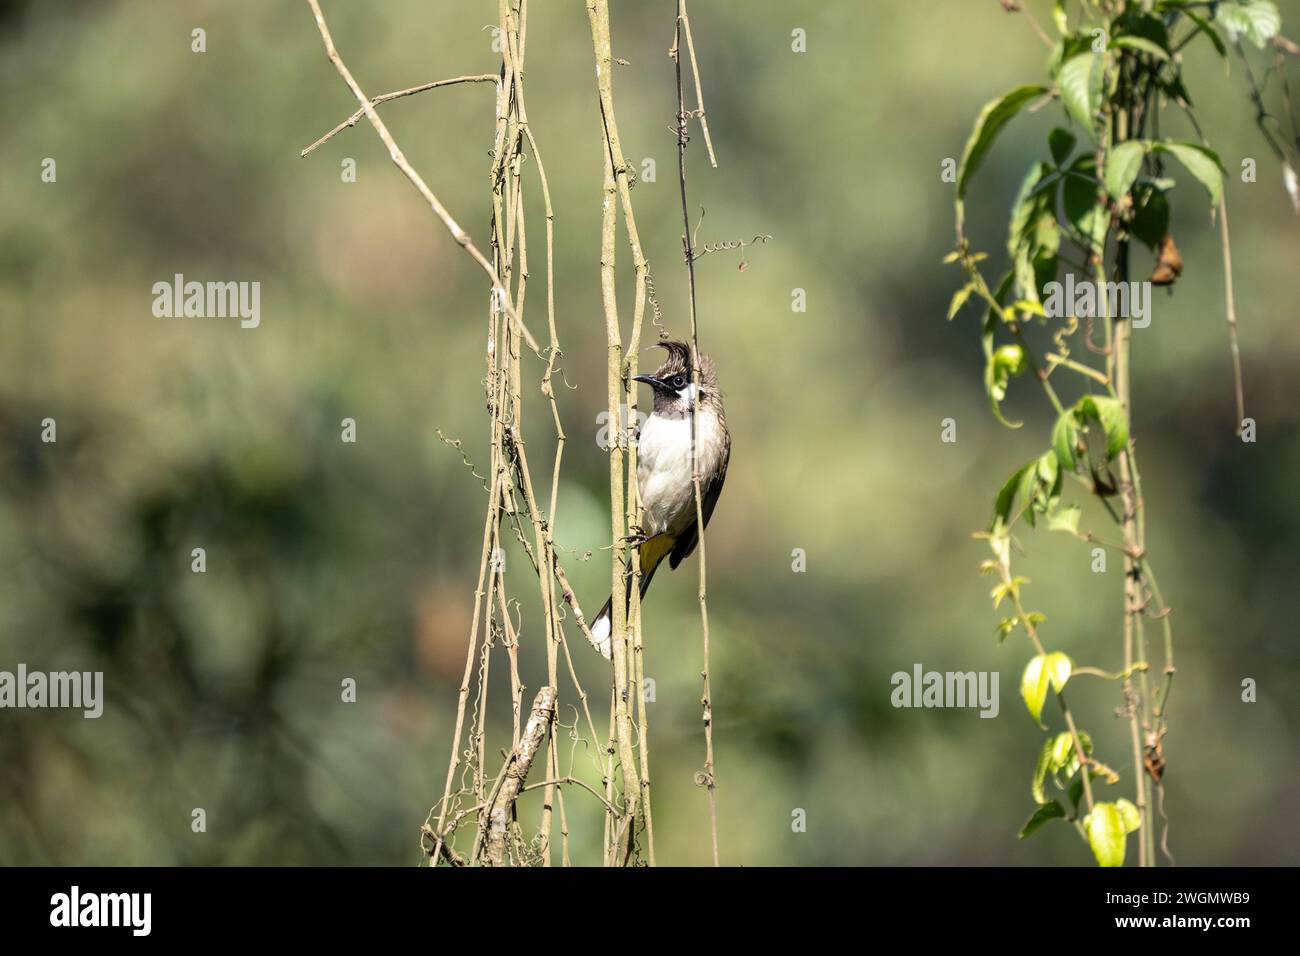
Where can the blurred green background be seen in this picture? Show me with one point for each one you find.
(329, 560)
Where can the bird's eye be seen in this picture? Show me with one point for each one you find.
(679, 382)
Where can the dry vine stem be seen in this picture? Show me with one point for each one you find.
(512, 499)
(384, 98)
(625, 632)
(707, 777)
(399, 159)
(471, 791)
(521, 761)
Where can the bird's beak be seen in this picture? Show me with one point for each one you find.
(648, 379)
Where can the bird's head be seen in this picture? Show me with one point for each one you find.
(673, 383)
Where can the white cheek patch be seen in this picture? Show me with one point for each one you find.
(687, 395)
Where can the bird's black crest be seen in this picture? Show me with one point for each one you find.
(677, 361)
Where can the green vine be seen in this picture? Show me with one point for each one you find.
(1102, 187)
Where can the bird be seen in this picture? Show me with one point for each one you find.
(669, 524)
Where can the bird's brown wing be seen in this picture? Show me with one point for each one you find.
(688, 539)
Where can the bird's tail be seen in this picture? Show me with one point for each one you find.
(653, 551)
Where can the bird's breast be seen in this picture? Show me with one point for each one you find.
(664, 468)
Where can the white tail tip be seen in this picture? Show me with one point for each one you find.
(600, 637)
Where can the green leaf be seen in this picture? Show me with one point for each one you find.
(1041, 487)
(1043, 671)
(1033, 237)
(1006, 362)
(1201, 162)
(1084, 208)
(1012, 357)
(1233, 20)
(1061, 142)
(1071, 763)
(1209, 30)
(1049, 473)
(1058, 667)
(1028, 307)
(1033, 688)
(1144, 26)
(1059, 18)
(1065, 49)
(992, 118)
(1066, 519)
(1065, 439)
(1035, 260)
(1141, 44)
(1123, 164)
(1258, 20)
(1036, 486)
(1041, 770)
(991, 318)
(1110, 413)
(1048, 811)
(1028, 490)
(1150, 216)
(959, 299)
(1046, 266)
(1076, 791)
(1005, 627)
(1129, 815)
(1106, 835)
(1265, 22)
(1062, 748)
(1006, 498)
(1011, 587)
(1026, 204)
(1076, 782)
(1106, 411)
(1080, 83)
